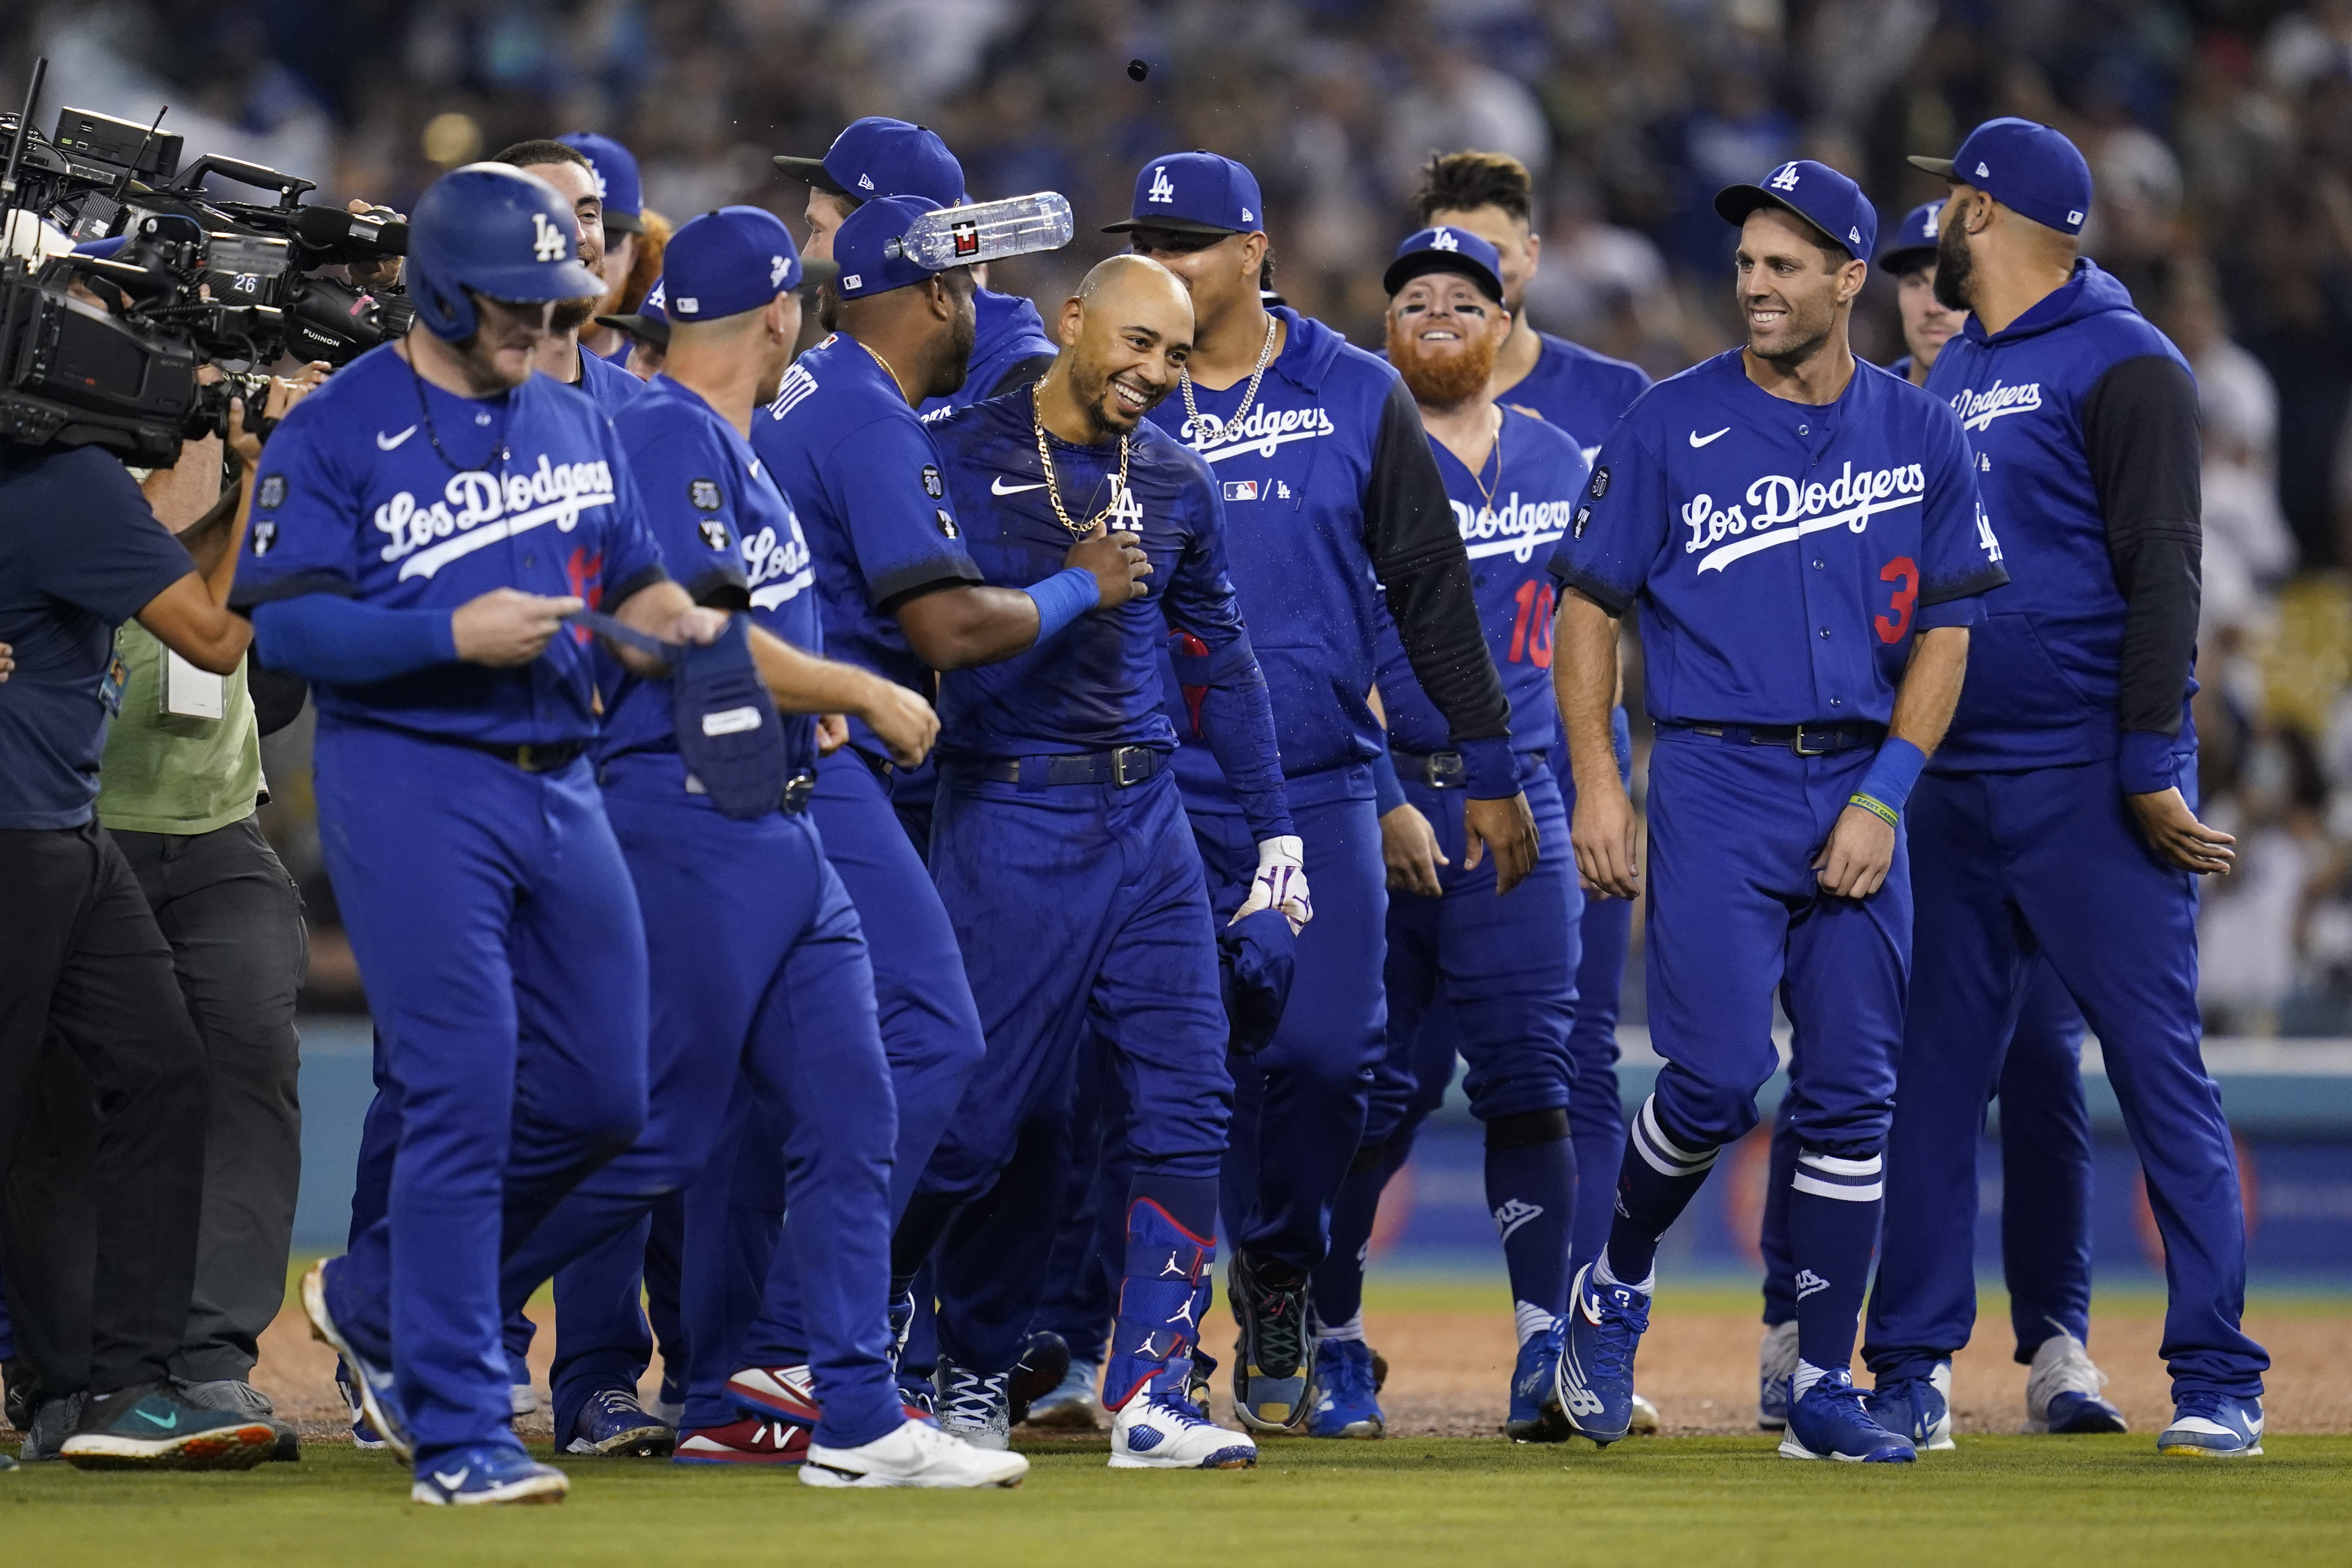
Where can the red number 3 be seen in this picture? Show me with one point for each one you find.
(1892, 626)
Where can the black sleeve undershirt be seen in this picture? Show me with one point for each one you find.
(2139, 432)
(1418, 556)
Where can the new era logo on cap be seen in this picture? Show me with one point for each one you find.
(864, 181)
(1983, 173)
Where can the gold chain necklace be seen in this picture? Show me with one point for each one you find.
(1486, 492)
(1054, 489)
(885, 364)
(1211, 428)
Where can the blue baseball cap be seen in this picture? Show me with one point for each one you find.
(878, 156)
(1814, 192)
(729, 261)
(867, 249)
(649, 321)
(617, 184)
(1444, 249)
(1912, 241)
(1195, 192)
(2026, 167)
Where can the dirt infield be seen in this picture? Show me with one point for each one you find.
(1449, 1369)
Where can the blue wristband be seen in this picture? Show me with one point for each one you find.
(1063, 598)
(1388, 790)
(1893, 772)
(1490, 768)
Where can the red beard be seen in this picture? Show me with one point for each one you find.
(1446, 378)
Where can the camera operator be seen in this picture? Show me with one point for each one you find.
(81, 552)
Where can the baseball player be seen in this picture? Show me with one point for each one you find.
(1333, 494)
(2061, 820)
(1058, 802)
(1803, 536)
(632, 239)
(1514, 481)
(901, 597)
(421, 526)
(2046, 1122)
(1581, 392)
(876, 157)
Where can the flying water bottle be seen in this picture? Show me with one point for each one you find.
(987, 231)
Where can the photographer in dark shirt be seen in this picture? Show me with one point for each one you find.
(81, 552)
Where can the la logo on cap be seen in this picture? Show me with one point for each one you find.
(1444, 240)
(1786, 180)
(1160, 191)
(1927, 228)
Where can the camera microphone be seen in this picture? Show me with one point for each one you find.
(331, 230)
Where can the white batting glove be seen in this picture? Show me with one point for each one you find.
(1281, 883)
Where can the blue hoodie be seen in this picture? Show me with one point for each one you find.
(2082, 417)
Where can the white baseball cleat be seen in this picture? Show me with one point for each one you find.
(915, 1455)
(1164, 1431)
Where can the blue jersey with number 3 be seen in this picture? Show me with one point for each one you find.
(1783, 553)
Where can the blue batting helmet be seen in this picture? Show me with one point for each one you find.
(498, 231)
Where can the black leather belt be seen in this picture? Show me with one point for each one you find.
(797, 791)
(1438, 770)
(1122, 766)
(1805, 739)
(530, 758)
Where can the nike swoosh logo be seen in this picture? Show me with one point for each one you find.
(1000, 489)
(453, 1482)
(1698, 440)
(384, 443)
(166, 1424)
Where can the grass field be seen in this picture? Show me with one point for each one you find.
(1691, 1500)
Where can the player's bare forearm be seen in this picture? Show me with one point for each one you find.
(957, 628)
(1931, 687)
(1584, 678)
(802, 682)
(664, 610)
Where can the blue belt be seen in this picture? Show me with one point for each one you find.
(1805, 739)
(1122, 767)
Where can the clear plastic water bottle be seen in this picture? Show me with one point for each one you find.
(990, 231)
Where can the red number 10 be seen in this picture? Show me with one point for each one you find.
(1531, 633)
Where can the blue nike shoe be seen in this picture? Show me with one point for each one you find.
(614, 1425)
(1920, 1408)
(488, 1474)
(364, 1433)
(1595, 1383)
(1342, 1403)
(1834, 1422)
(378, 1399)
(2212, 1427)
(1534, 1416)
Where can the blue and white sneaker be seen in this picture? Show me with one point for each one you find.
(1162, 1430)
(1342, 1403)
(1275, 1362)
(364, 1433)
(1075, 1406)
(489, 1474)
(1595, 1383)
(1535, 1414)
(614, 1425)
(1776, 1365)
(1834, 1422)
(974, 1406)
(1918, 1408)
(2063, 1390)
(372, 1383)
(2212, 1427)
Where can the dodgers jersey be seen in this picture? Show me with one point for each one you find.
(1537, 476)
(1322, 487)
(1578, 389)
(382, 488)
(863, 476)
(1784, 555)
(608, 383)
(1097, 684)
(1008, 338)
(727, 532)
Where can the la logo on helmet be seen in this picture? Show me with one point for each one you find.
(548, 243)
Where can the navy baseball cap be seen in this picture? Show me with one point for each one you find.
(617, 184)
(1195, 192)
(729, 261)
(2026, 167)
(650, 321)
(878, 156)
(1911, 242)
(1814, 192)
(1444, 249)
(865, 248)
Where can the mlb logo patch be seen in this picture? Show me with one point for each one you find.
(947, 523)
(703, 493)
(272, 491)
(1241, 490)
(714, 532)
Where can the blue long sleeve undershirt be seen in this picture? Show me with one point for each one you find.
(325, 636)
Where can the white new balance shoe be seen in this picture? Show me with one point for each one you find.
(915, 1455)
(1164, 1431)
(2062, 1391)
